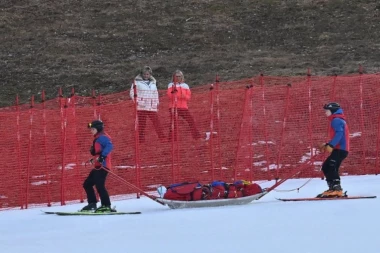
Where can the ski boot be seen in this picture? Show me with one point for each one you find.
(91, 207)
(325, 193)
(336, 191)
(105, 209)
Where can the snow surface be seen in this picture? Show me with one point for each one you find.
(264, 226)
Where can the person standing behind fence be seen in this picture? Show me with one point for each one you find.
(147, 102)
(179, 94)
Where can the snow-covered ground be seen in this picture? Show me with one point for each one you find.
(265, 226)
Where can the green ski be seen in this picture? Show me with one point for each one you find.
(89, 213)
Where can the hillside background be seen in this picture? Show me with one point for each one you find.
(99, 44)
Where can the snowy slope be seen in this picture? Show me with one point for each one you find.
(265, 226)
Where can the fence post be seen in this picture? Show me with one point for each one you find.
(212, 130)
(279, 154)
(47, 171)
(63, 106)
(362, 119)
(137, 140)
(310, 126)
(246, 95)
(264, 129)
(18, 136)
(217, 84)
(29, 151)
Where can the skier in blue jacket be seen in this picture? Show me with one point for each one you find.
(338, 147)
(101, 150)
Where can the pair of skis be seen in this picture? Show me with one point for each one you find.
(332, 198)
(89, 213)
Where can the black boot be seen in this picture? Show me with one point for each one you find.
(336, 185)
(91, 207)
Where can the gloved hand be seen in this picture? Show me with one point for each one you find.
(326, 147)
(101, 159)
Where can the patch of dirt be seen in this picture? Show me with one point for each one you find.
(98, 44)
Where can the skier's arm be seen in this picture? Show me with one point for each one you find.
(185, 92)
(105, 144)
(171, 90)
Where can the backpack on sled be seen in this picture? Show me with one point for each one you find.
(186, 192)
(247, 188)
(192, 191)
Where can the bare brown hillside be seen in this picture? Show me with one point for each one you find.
(101, 44)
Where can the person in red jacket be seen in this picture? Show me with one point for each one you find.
(101, 150)
(179, 94)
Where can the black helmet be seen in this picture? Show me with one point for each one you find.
(97, 124)
(333, 107)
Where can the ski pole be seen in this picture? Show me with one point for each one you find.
(133, 186)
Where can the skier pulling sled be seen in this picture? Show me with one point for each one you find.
(218, 193)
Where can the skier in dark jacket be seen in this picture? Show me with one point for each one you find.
(338, 146)
(101, 149)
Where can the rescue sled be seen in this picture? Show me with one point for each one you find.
(217, 193)
(177, 204)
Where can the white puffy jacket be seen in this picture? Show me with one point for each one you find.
(147, 94)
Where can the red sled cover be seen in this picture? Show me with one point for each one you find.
(184, 191)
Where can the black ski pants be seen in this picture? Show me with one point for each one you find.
(331, 166)
(97, 177)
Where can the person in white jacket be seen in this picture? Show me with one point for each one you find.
(144, 93)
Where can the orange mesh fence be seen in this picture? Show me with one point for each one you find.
(254, 129)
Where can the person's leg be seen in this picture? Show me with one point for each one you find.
(330, 169)
(325, 170)
(184, 113)
(157, 125)
(335, 162)
(142, 124)
(100, 177)
(88, 186)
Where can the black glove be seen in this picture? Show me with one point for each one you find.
(101, 159)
